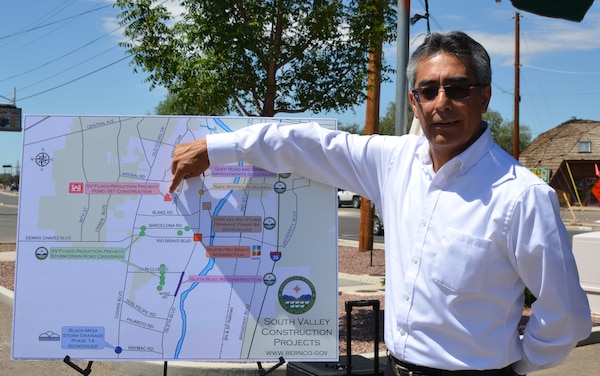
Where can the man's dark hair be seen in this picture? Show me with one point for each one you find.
(457, 43)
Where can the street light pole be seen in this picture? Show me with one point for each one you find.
(14, 98)
(401, 126)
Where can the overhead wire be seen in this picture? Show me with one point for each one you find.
(30, 29)
(40, 20)
(560, 70)
(535, 110)
(62, 56)
(75, 79)
(37, 39)
(37, 26)
(42, 23)
(441, 28)
(69, 68)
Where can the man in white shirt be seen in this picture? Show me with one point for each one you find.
(467, 226)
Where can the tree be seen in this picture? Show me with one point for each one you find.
(387, 124)
(351, 128)
(172, 105)
(257, 57)
(503, 132)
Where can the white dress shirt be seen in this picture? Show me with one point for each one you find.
(460, 244)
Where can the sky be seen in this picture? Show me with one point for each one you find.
(61, 57)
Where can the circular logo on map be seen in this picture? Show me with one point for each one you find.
(41, 253)
(297, 295)
(269, 223)
(269, 279)
(279, 187)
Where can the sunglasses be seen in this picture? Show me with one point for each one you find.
(454, 92)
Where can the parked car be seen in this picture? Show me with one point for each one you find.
(348, 198)
(377, 223)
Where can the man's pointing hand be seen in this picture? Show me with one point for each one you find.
(189, 160)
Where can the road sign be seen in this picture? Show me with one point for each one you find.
(10, 118)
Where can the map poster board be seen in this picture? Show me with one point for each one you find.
(239, 264)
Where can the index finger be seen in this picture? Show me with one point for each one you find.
(177, 178)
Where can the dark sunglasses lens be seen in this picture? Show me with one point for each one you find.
(457, 91)
(428, 93)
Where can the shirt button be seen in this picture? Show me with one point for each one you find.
(415, 260)
(406, 297)
(402, 332)
(423, 223)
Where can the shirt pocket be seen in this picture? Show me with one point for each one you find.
(460, 262)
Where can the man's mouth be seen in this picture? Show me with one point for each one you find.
(445, 123)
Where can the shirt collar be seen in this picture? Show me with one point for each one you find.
(473, 154)
(468, 158)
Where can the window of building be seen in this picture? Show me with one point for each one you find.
(585, 146)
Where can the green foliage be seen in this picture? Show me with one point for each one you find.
(387, 124)
(352, 128)
(503, 132)
(258, 57)
(172, 105)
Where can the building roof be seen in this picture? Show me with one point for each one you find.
(550, 148)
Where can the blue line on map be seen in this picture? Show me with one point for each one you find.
(223, 125)
(179, 284)
(207, 268)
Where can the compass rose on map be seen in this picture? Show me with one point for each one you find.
(42, 159)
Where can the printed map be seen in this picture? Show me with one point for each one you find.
(238, 264)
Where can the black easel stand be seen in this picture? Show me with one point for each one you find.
(84, 372)
(263, 372)
(88, 370)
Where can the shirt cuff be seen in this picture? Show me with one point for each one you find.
(222, 148)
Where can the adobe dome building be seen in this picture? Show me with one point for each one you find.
(568, 156)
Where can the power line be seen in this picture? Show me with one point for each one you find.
(75, 79)
(62, 56)
(558, 70)
(69, 68)
(52, 23)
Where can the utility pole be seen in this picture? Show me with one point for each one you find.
(517, 95)
(365, 238)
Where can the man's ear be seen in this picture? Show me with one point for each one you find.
(413, 104)
(486, 96)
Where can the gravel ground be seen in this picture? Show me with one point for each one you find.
(7, 269)
(352, 261)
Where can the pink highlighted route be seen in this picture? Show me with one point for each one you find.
(241, 171)
(226, 278)
(122, 188)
